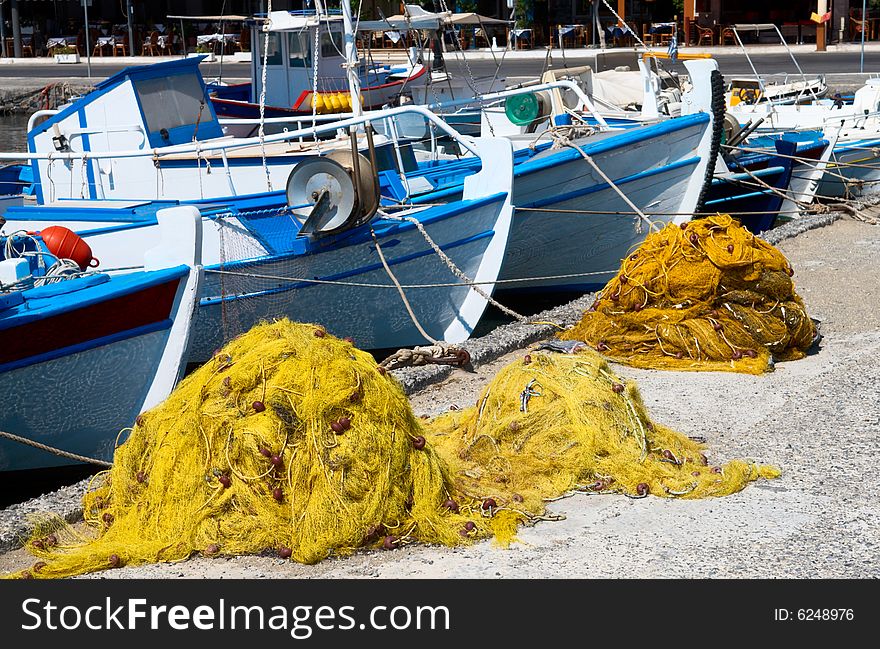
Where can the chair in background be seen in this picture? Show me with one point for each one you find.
(244, 40)
(169, 46)
(151, 45)
(727, 32)
(647, 34)
(120, 46)
(706, 34)
(856, 27)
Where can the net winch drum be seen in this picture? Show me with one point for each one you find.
(332, 193)
(528, 108)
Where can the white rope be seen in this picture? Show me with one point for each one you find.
(455, 269)
(339, 282)
(400, 290)
(563, 140)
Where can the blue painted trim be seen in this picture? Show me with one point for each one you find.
(86, 144)
(86, 346)
(740, 197)
(624, 139)
(690, 162)
(382, 228)
(209, 301)
(45, 302)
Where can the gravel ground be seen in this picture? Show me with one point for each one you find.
(816, 418)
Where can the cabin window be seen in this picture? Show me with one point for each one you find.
(274, 57)
(332, 43)
(299, 49)
(170, 102)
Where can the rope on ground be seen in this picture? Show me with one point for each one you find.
(55, 451)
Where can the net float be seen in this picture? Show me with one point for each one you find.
(284, 552)
(345, 422)
(451, 505)
(320, 333)
(336, 427)
(276, 460)
(277, 494)
(527, 359)
(114, 561)
(225, 481)
(258, 406)
(516, 498)
(642, 489)
(617, 388)
(470, 526)
(211, 550)
(66, 244)
(265, 452)
(389, 542)
(51, 541)
(419, 443)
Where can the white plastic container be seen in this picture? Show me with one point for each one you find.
(13, 271)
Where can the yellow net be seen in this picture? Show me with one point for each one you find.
(292, 441)
(552, 424)
(708, 295)
(288, 440)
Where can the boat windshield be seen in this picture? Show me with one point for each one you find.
(171, 102)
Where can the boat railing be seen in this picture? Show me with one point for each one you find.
(446, 105)
(32, 120)
(209, 146)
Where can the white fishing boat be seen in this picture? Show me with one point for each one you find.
(97, 348)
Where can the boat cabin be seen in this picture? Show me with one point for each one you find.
(142, 107)
(290, 57)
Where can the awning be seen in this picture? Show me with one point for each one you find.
(418, 18)
(476, 19)
(284, 21)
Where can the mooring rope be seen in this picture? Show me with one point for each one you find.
(400, 290)
(54, 451)
(563, 140)
(455, 269)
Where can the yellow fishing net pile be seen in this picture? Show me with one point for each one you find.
(552, 424)
(288, 440)
(294, 442)
(708, 295)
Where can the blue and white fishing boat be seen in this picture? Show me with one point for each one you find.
(270, 256)
(86, 353)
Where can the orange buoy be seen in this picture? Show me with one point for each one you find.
(67, 244)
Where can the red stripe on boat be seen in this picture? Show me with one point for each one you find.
(112, 316)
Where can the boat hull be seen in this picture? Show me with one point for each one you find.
(235, 298)
(83, 375)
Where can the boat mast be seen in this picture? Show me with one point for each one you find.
(351, 59)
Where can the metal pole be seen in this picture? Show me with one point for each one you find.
(130, 29)
(864, 24)
(351, 57)
(16, 29)
(749, 59)
(2, 32)
(85, 4)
